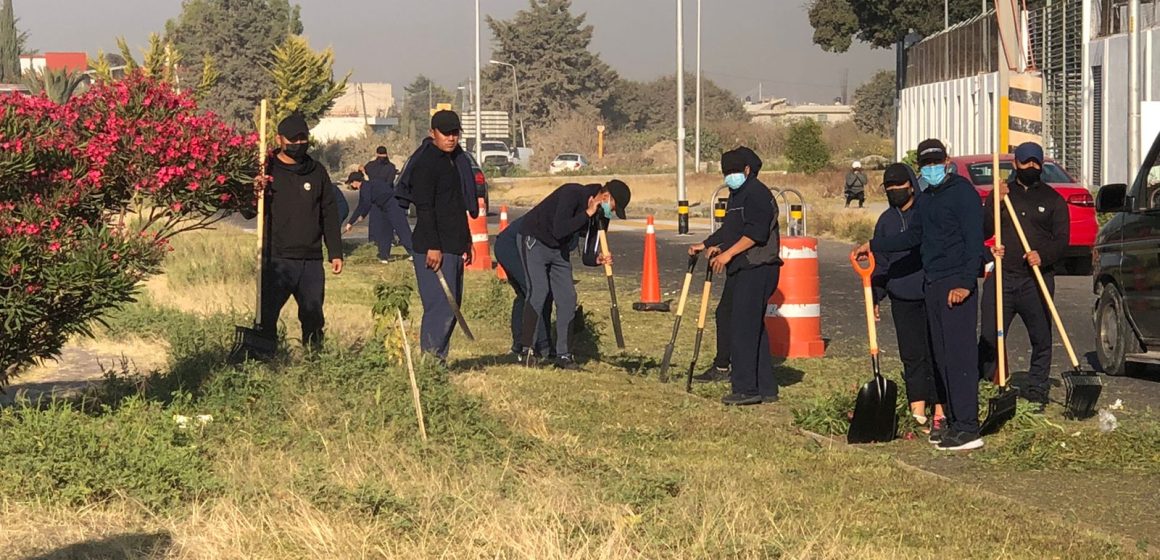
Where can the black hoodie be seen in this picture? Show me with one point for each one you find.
(302, 210)
(751, 212)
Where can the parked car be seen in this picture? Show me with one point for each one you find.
(567, 162)
(481, 186)
(1126, 271)
(1080, 205)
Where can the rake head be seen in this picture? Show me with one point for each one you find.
(1083, 392)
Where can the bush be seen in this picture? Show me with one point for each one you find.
(805, 148)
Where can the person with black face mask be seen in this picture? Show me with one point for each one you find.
(899, 275)
(302, 213)
(1044, 216)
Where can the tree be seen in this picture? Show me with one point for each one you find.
(303, 81)
(241, 37)
(558, 75)
(10, 45)
(874, 104)
(881, 23)
(806, 150)
(160, 61)
(419, 98)
(649, 105)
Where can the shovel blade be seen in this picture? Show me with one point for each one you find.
(1083, 392)
(874, 419)
(1000, 410)
(252, 344)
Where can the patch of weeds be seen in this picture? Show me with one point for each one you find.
(828, 416)
(642, 490)
(645, 438)
(491, 302)
(370, 498)
(364, 254)
(63, 456)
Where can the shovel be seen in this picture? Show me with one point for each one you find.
(254, 342)
(616, 328)
(1001, 407)
(874, 419)
(705, 293)
(664, 377)
(1083, 387)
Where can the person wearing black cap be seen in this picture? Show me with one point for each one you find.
(949, 232)
(376, 204)
(438, 180)
(545, 240)
(302, 213)
(381, 167)
(746, 249)
(899, 275)
(1044, 216)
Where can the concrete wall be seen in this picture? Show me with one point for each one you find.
(1109, 57)
(960, 112)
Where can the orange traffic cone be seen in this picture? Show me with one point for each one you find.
(482, 257)
(650, 279)
(503, 224)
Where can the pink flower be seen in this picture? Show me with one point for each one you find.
(54, 247)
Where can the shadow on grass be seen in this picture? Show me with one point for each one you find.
(117, 547)
(481, 362)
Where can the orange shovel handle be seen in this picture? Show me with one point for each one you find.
(864, 271)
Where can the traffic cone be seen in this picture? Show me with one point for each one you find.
(482, 257)
(650, 279)
(503, 224)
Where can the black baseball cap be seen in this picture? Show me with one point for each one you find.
(897, 174)
(355, 176)
(733, 161)
(1029, 151)
(931, 151)
(446, 122)
(293, 126)
(381, 150)
(621, 194)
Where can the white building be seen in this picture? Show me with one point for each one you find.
(362, 108)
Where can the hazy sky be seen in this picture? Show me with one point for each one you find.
(745, 41)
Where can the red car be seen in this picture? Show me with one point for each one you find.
(1080, 204)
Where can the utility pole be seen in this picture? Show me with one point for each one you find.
(682, 198)
(697, 147)
(1133, 87)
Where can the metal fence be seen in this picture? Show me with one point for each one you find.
(1110, 17)
(1055, 36)
(963, 50)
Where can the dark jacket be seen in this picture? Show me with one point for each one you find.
(1045, 219)
(898, 274)
(751, 212)
(374, 193)
(382, 169)
(404, 187)
(303, 211)
(436, 187)
(855, 183)
(561, 216)
(949, 231)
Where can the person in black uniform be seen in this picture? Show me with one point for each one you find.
(949, 232)
(1044, 216)
(376, 203)
(545, 241)
(507, 252)
(302, 213)
(439, 181)
(746, 248)
(899, 275)
(380, 167)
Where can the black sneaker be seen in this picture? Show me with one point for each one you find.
(567, 362)
(938, 428)
(712, 375)
(954, 440)
(737, 399)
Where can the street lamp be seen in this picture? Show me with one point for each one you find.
(478, 97)
(515, 101)
(682, 199)
(697, 148)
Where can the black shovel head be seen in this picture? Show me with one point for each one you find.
(874, 419)
(1083, 392)
(252, 344)
(1000, 410)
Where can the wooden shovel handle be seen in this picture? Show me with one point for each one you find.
(1042, 284)
(868, 294)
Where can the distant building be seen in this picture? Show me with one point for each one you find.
(73, 61)
(363, 107)
(780, 111)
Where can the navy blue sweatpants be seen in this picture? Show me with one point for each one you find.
(954, 339)
(749, 350)
(438, 318)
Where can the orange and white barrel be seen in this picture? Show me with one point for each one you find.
(793, 317)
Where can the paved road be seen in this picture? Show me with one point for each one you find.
(843, 324)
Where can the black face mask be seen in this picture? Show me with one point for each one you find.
(1028, 176)
(898, 197)
(296, 152)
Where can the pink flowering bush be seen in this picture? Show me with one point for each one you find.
(90, 194)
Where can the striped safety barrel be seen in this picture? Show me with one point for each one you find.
(793, 317)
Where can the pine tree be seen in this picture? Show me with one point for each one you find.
(303, 81)
(10, 45)
(558, 75)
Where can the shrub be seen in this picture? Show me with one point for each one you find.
(806, 150)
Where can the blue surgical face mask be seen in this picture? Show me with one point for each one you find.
(735, 180)
(934, 174)
(607, 207)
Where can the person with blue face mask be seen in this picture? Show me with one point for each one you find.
(746, 248)
(949, 234)
(544, 242)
